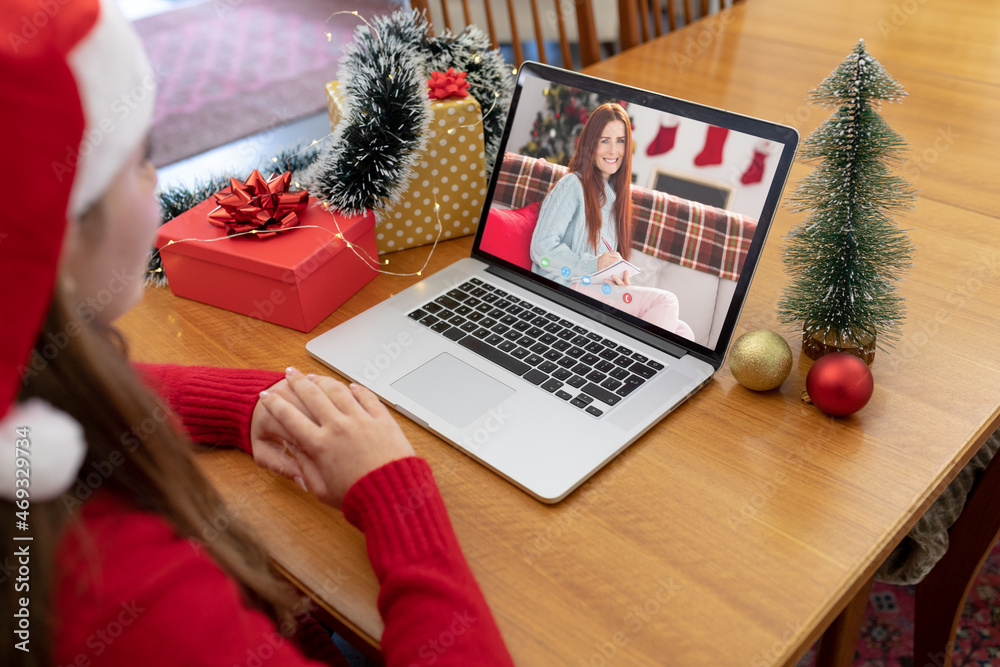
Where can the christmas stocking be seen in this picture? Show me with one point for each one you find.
(712, 152)
(755, 172)
(664, 140)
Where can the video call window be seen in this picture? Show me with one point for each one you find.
(673, 257)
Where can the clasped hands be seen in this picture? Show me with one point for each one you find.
(324, 434)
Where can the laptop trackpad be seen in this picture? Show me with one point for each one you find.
(453, 390)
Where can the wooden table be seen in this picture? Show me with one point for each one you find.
(738, 528)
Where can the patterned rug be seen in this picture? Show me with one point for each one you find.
(887, 633)
(227, 69)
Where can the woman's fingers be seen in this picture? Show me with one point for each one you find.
(368, 400)
(278, 461)
(284, 389)
(606, 259)
(315, 400)
(339, 394)
(296, 423)
(312, 477)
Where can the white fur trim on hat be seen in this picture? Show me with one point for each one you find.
(117, 87)
(53, 447)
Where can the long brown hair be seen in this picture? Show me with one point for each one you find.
(583, 163)
(82, 370)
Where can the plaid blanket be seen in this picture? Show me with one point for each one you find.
(677, 230)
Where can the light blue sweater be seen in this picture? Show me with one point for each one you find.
(561, 232)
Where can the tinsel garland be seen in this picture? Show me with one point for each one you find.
(384, 119)
(386, 111)
(369, 160)
(178, 199)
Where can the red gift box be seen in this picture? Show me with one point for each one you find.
(294, 278)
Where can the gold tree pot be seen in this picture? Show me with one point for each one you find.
(816, 344)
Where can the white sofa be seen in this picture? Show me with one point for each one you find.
(704, 297)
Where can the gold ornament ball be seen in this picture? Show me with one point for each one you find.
(760, 360)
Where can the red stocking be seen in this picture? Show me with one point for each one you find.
(664, 140)
(755, 172)
(712, 152)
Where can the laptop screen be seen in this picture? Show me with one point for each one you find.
(647, 209)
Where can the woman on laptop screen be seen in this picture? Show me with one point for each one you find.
(585, 225)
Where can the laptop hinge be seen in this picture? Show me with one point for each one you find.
(590, 313)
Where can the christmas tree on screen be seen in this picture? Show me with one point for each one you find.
(848, 255)
(554, 134)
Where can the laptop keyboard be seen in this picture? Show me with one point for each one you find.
(567, 360)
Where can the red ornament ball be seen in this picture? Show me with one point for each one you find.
(840, 384)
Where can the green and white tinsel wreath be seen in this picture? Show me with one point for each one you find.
(383, 128)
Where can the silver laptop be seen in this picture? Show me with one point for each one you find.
(535, 368)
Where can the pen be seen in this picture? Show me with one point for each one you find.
(606, 243)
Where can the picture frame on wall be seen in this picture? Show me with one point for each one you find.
(686, 186)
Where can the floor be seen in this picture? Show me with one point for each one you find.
(229, 157)
(233, 157)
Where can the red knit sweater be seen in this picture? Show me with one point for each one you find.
(130, 592)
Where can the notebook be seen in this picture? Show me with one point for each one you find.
(519, 355)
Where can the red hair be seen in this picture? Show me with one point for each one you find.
(583, 163)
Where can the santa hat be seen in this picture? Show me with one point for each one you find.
(78, 98)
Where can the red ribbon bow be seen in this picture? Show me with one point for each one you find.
(448, 84)
(264, 206)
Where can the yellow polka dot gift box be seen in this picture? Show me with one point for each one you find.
(450, 172)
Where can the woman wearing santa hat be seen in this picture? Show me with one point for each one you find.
(104, 511)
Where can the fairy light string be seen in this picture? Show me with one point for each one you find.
(357, 250)
(339, 99)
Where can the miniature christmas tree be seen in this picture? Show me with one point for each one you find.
(553, 136)
(847, 256)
